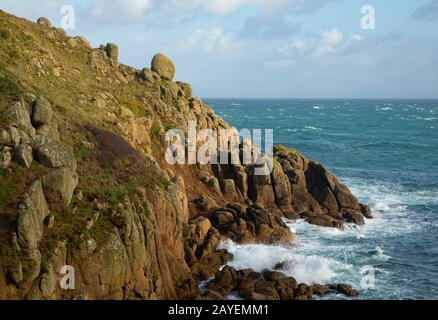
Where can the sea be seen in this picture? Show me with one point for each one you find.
(386, 152)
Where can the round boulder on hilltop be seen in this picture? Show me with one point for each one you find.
(164, 66)
(45, 22)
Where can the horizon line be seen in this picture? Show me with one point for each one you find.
(265, 98)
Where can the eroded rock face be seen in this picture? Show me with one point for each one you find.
(315, 194)
(163, 66)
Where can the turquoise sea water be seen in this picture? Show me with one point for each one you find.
(386, 151)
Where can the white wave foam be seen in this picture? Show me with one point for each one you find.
(312, 128)
(380, 255)
(304, 268)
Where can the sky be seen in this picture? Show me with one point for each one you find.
(267, 48)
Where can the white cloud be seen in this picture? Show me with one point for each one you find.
(328, 48)
(215, 7)
(224, 7)
(215, 40)
(356, 37)
(329, 42)
(119, 9)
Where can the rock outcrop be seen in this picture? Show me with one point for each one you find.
(84, 183)
(163, 66)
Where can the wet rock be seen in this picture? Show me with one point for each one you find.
(366, 211)
(345, 289)
(285, 287)
(354, 217)
(266, 288)
(303, 292)
(320, 290)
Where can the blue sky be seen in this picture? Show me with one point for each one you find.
(268, 48)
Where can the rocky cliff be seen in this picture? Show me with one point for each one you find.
(83, 181)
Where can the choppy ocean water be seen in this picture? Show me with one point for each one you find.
(386, 151)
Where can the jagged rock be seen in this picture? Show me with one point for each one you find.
(42, 112)
(173, 90)
(214, 186)
(324, 221)
(5, 157)
(48, 282)
(285, 287)
(267, 289)
(186, 89)
(31, 220)
(17, 115)
(23, 155)
(303, 292)
(345, 289)
(10, 137)
(366, 211)
(49, 132)
(260, 189)
(45, 22)
(319, 289)
(55, 154)
(149, 75)
(354, 217)
(254, 224)
(203, 225)
(163, 66)
(229, 189)
(59, 186)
